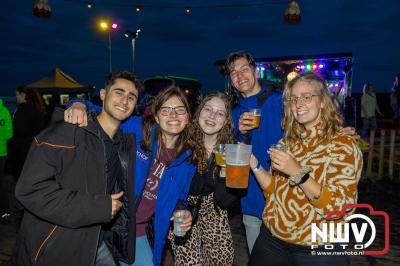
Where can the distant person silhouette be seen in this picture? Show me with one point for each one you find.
(395, 97)
(28, 121)
(368, 108)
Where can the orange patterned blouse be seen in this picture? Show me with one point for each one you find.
(336, 165)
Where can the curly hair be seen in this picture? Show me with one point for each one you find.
(196, 139)
(331, 119)
(149, 121)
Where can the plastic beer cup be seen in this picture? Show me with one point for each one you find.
(219, 151)
(256, 117)
(279, 146)
(178, 220)
(237, 165)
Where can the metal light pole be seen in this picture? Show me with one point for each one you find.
(109, 49)
(133, 35)
(105, 25)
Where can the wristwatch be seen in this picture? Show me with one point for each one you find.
(300, 178)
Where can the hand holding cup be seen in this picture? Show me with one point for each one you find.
(282, 160)
(249, 120)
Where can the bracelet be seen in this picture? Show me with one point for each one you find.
(258, 166)
(304, 179)
(296, 180)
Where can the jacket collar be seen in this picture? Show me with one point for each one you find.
(250, 102)
(95, 127)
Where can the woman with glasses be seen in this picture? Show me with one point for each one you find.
(209, 242)
(316, 171)
(163, 172)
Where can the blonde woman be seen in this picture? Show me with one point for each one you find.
(317, 174)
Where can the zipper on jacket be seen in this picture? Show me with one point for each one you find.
(105, 192)
(39, 250)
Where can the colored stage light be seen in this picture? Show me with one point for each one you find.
(321, 65)
(291, 75)
(114, 26)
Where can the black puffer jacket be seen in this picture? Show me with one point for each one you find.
(62, 186)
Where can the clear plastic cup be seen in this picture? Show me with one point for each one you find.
(237, 165)
(279, 146)
(178, 220)
(219, 151)
(256, 117)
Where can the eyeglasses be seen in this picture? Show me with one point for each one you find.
(167, 110)
(244, 70)
(208, 111)
(305, 98)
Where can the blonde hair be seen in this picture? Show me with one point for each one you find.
(330, 117)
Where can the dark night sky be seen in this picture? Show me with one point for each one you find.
(176, 43)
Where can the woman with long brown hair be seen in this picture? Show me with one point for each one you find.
(209, 242)
(28, 121)
(315, 172)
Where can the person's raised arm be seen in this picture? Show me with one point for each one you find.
(76, 112)
(263, 177)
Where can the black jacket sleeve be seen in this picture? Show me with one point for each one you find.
(223, 195)
(39, 189)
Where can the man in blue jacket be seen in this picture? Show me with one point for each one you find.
(241, 68)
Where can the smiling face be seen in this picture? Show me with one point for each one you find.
(213, 116)
(306, 110)
(244, 77)
(119, 100)
(171, 118)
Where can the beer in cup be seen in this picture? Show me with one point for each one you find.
(256, 113)
(237, 165)
(219, 151)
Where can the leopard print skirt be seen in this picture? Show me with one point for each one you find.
(209, 242)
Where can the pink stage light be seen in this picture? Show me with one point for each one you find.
(114, 26)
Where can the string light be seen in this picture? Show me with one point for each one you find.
(149, 6)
